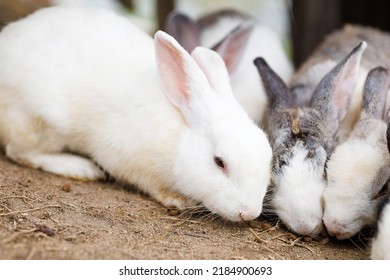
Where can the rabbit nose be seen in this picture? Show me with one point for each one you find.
(307, 229)
(336, 228)
(248, 214)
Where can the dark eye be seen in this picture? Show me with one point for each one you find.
(384, 191)
(219, 162)
(282, 162)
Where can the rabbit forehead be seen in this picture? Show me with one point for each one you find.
(296, 129)
(240, 141)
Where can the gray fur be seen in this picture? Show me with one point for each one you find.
(274, 84)
(313, 126)
(183, 29)
(338, 44)
(305, 126)
(373, 104)
(187, 31)
(375, 93)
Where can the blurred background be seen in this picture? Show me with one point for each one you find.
(302, 24)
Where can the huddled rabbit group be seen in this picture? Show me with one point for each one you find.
(209, 113)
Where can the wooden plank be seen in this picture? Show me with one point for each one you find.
(164, 7)
(310, 22)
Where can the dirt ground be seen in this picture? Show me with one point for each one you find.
(43, 216)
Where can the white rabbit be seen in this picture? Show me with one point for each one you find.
(302, 123)
(380, 247)
(359, 169)
(77, 83)
(239, 39)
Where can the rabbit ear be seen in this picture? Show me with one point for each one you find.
(278, 94)
(183, 29)
(375, 92)
(214, 69)
(333, 94)
(182, 80)
(232, 46)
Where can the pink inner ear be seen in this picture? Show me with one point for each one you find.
(232, 46)
(170, 64)
(345, 88)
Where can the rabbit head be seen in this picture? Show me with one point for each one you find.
(302, 138)
(223, 160)
(359, 169)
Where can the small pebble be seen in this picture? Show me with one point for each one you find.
(66, 188)
(45, 229)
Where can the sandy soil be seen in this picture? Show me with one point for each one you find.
(43, 216)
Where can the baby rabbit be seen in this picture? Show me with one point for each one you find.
(303, 135)
(359, 169)
(302, 131)
(380, 247)
(78, 83)
(239, 39)
(352, 197)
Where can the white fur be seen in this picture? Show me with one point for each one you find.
(246, 84)
(380, 248)
(85, 81)
(297, 197)
(351, 169)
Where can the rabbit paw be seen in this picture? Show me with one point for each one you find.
(172, 199)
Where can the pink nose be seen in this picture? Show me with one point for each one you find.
(336, 228)
(247, 214)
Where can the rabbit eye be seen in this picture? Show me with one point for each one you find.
(219, 162)
(384, 191)
(282, 163)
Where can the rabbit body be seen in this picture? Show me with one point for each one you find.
(82, 88)
(359, 168)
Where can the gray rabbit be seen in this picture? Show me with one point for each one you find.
(303, 123)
